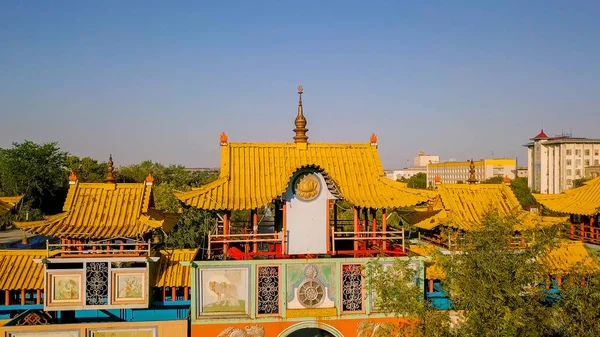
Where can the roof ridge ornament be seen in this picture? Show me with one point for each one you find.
(110, 176)
(373, 139)
(472, 178)
(72, 178)
(223, 139)
(300, 121)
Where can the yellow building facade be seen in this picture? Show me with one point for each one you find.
(458, 171)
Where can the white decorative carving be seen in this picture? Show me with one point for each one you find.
(249, 331)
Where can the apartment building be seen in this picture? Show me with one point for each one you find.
(555, 162)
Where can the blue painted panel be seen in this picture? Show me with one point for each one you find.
(133, 315)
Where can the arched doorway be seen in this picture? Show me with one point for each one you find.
(310, 329)
(310, 332)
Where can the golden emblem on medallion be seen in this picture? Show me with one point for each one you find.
(308, 187)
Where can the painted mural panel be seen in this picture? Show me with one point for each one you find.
(44, 334)
(311, 285)
(140, 332)
(224, 290)
(129, 287)
(66, 288)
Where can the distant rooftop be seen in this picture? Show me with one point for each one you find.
(560, 139)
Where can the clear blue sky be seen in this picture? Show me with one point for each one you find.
(161, 80)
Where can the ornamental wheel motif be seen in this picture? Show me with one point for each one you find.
(311, 293)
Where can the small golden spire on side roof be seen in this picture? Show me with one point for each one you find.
(110, 176)
(72, 178)
(472, 178)
(506, 180)
(300, 122)
(223, 139)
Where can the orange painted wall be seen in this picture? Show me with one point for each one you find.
(347, 327)
(165, 328)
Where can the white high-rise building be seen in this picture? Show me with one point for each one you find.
(554, 162)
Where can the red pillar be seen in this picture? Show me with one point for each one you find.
(22, 296)
(7, 297)
(384, 227)
(225, 233)
(173, 294)
(186, 293)
(38, 299)
(431, 285)
(164, 297)
(356, 228)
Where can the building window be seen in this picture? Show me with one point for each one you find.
(577, 172)
(596, 162)
(587, 162)
(578, 153)
(577, 162)
(352, 288)
(568, 162)
(569, 182)
(596, 152)
(268, 290)
(568, 152)
(569, 172)
(587, 152)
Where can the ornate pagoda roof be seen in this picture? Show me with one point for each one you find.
(541, 135)
(19, 271)
(8, 203)
(463, 206)
(583, 200)
(569, 257)
(104, 211)
(169, 272)
(254, 174)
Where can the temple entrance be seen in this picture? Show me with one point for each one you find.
(310, 332)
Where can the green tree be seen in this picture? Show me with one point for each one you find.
(191, 229)
(36, 170)
(498, 288)
(419, 180)
(395, 291)
(522, 192)
(86, 169)
(577, 311)
(579, 182)
(493, 180)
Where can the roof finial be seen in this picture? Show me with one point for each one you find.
(223, 139)
(300, 122)
(472, 179)
(72, 178)
(110, 176)
(373, 139)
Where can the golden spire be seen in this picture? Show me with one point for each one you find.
(472, 179)
(110, 176)
(300, 122)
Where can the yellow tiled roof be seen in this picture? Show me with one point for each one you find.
(8, 203)
(426, 219)
(433, 271)
(102, 211)
(584, 200)
(19, 271)
(464, 206)
(253, 174)
(169, 272)
(568, 257)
